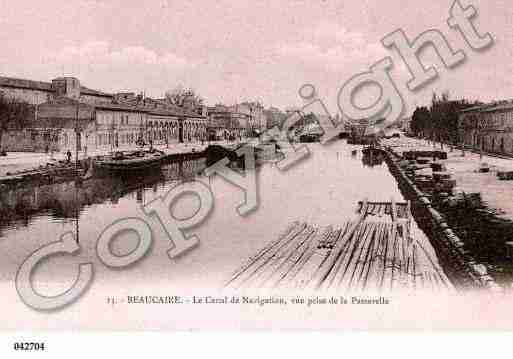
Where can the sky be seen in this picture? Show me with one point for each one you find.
(232, 51)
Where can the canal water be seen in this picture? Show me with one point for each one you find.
(322, 189)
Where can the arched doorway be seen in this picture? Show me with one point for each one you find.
(180, 131)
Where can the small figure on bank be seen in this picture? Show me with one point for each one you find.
(68, 156)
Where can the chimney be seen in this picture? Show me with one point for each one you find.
(66, 87)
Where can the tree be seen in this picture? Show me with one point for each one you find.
(444, 114)
(184, 97)
(440, 120)
(14, 114)
(421, 122)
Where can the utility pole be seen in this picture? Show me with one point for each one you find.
(76, 174)
(76, 138)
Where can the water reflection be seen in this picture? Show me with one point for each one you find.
(66, 200)
(322, 190)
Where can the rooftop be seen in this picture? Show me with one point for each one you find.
(44, 86)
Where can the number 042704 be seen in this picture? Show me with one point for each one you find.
(29, 346)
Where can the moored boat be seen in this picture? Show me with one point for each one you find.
(130, 160)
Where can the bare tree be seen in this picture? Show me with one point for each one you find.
(184, 97)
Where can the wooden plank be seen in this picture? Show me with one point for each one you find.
(414, 266)
(336, 267)
(358, 262)
(395, 265)
(292, 226)
(353, 257)
(330, 261)
(389, 255)
(289, 277)
(278, 259)
(264, 258)
(334, 238)
(436, 268)
(378, 265)
(290, 262)
(365, 262)
(349, 253)
(312, 260)
(386, 282)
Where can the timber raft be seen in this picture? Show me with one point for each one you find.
(374, 252)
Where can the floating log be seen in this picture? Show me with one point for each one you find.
(362, 255)
(265, 255)
(300, 275)
(322, 274)
(279, 259)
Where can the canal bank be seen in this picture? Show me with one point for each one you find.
(469, 233)
(479, 210)
(458, 263)
(19, 169)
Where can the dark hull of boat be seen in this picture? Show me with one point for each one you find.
(369, 150)
(129, 166)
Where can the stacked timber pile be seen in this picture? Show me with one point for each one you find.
(359, 255)
(459, 263)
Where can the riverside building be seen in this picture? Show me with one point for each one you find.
(67, 116)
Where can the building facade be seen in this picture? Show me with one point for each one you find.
(254, 115)
(38, 92)
(225, 124)
(68, 116)
(488, 127)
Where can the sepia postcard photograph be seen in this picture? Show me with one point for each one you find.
(172, 165)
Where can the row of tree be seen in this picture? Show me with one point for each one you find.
(439, 121)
